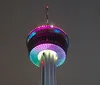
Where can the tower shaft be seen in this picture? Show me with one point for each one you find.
(48, 70)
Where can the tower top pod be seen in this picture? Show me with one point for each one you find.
(47, 37)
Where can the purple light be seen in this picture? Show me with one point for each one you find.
(42, 27)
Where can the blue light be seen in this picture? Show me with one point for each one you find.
(32, 34)
(57, 31)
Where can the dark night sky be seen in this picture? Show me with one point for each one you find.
(79, 18)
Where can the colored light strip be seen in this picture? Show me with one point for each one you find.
(31, 35)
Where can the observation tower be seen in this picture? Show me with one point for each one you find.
(47, 47)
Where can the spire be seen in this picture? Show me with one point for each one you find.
(47, 14)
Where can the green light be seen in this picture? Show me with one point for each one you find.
(34, 60)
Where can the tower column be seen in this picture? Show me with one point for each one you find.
(48, 75)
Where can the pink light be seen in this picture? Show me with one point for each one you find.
(47, 6)
(51, 26)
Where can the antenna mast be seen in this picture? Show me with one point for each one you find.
(47, 21)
